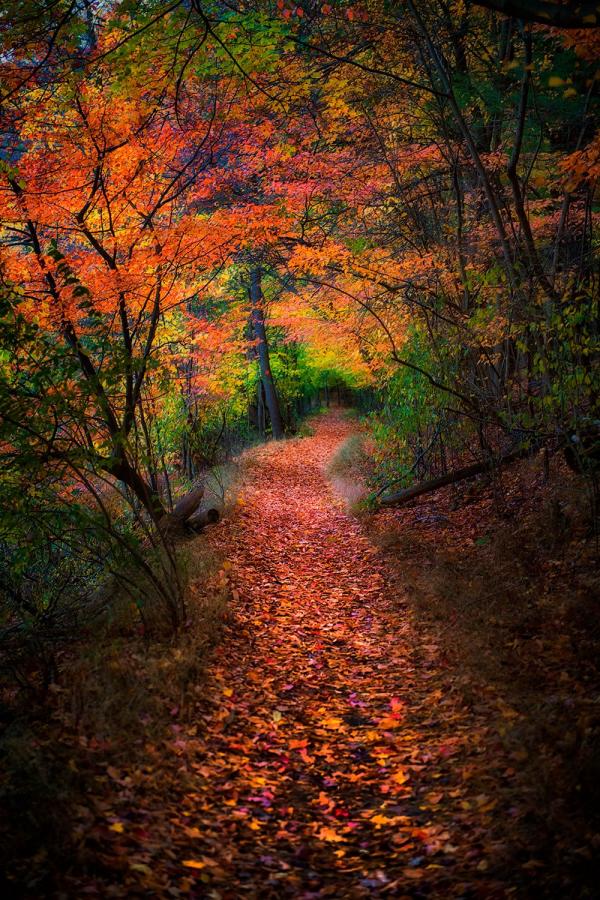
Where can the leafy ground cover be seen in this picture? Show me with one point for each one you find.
(329, 748)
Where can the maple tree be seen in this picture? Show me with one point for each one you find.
(478, 253)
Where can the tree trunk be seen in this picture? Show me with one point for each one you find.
(427, 487)
(258, 324)
(584, 14)
(125, 472)
(260, 405)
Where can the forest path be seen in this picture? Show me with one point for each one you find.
(325, 750)
(327, 740)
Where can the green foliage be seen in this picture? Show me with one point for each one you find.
(66, 529)
(54, 553)
(407, 426)
(564, 349)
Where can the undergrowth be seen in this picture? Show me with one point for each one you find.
(350, 458)
(117, 693)
(349, 470)
(504, 576)
(305, 430)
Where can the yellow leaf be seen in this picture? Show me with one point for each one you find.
(141, 867)
(329, 834)
(400, 777)
(118, 827)
(332, 722)
(194, 863)
(381, 820)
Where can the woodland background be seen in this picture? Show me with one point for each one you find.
(217, 218)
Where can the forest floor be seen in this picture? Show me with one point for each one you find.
(329, 749)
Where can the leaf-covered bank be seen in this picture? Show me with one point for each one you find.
(333, 745)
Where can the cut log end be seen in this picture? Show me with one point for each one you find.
(200, 520)
(183, 510)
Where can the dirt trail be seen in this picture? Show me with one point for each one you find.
(327, 753)
(330, 744)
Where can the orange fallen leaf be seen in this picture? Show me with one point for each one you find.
(380, 820)
(413, 874)
(333, 723)
(388, 723)
(400, 777)
(325, 833)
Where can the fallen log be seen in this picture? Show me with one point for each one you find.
(201, 519)
(427, 487)
(183, 510)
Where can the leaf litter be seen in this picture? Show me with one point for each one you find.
(326, 753)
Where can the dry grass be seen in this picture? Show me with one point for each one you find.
(120, 685)
(349, 469)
